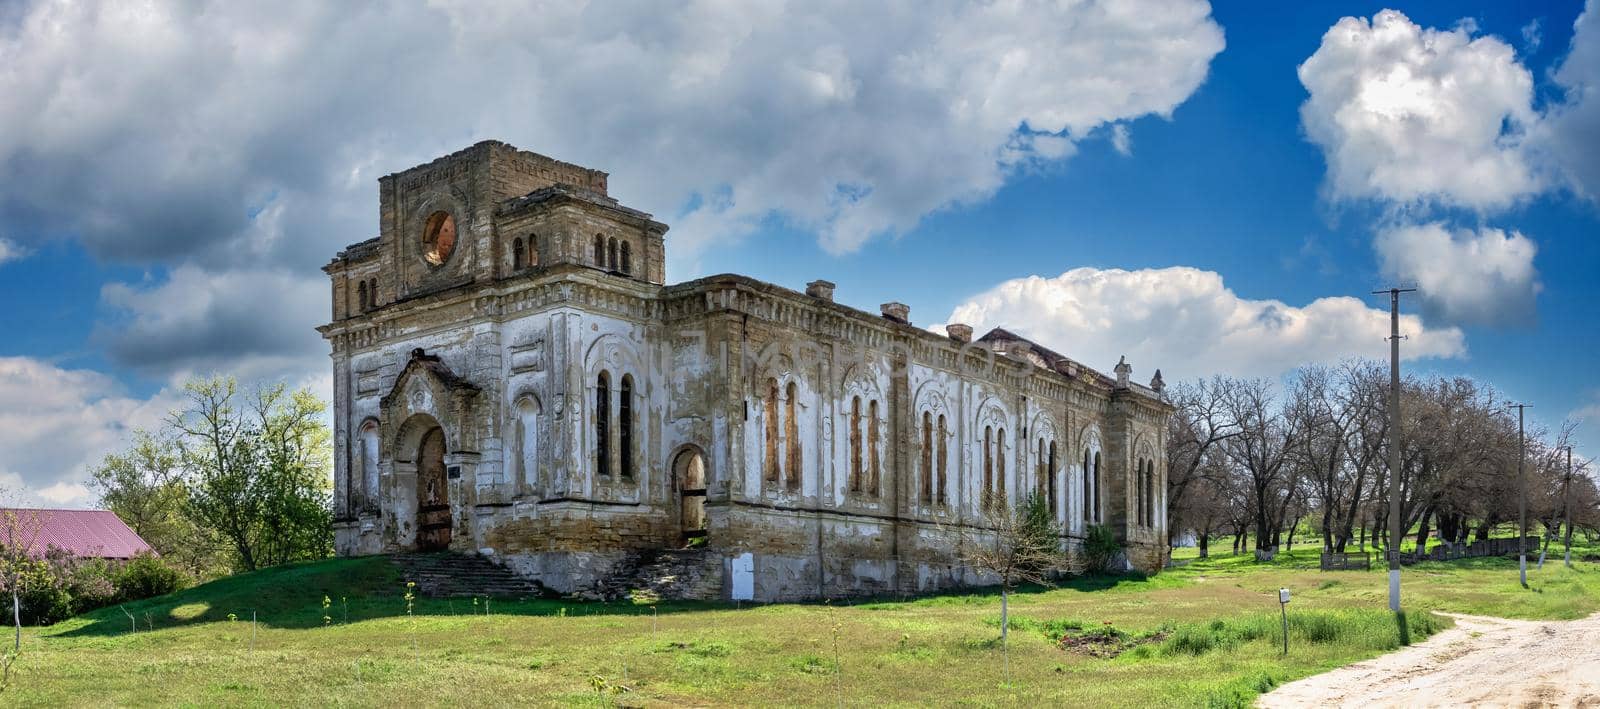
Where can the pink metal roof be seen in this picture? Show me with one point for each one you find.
(87, 533)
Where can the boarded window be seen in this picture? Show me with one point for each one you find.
(855, 444)
(925, 488)
(943, 461)
(988, 464)
(873, 462)
(770, 429)
(791, 435)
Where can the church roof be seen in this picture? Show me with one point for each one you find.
(1054, 360)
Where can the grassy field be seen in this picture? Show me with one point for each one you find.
(1203, 634)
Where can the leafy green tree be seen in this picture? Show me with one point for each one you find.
(145, 487)
(257, 470)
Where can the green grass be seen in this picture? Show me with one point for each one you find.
(1205, 634)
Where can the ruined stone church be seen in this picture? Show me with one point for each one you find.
(513, 377)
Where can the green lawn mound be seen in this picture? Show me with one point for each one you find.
(1208, 633)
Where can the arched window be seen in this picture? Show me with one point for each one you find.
(372, 292)
(855, 444)
(533, 251)
(791, 428)
(1041, 473)
(527, 459)
(362, 289)
(1096, 479)
(627, 258)
(611, 254)
(1138, 492)
(925, 488)
(1088, 487)
(602, 425)
(1050, 471)
(770, 427)
(599, 251)
(625, 425)
(942, 461)
(368, 484)
(988, 464)
(516, 254)
(873, 462)
(1000, 464)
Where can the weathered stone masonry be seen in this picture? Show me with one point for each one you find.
(514, 378)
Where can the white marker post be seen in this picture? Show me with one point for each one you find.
(1283, 605)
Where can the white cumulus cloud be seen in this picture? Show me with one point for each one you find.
(1569, 137)
(1483, 276)
(1188, 323)
(165, 129)
(1412, 115)
(55, 423)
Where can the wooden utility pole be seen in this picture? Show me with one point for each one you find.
(1394, 445)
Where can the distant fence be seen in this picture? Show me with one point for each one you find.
(1442, 552)
(1348, 561)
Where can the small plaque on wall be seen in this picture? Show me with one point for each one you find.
(454, 472)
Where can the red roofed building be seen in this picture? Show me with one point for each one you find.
(83, 533)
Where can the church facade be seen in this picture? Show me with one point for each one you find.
(513, 377)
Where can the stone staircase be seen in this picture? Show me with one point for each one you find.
(451, 575)
(664, 574)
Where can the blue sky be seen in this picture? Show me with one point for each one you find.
(1162, 175)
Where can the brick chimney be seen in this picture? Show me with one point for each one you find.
(898, 312)
(820, 289)
(960, 332)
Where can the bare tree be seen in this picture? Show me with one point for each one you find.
(1200, 422)
(1262, 452)
(1024, 547)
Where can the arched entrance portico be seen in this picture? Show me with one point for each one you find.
(433, 495)
(689, 478)
(421, 448)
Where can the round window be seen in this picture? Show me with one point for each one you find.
(438, 238)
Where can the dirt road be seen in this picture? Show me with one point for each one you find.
(1480, 662)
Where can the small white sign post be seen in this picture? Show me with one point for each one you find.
(1283, 605)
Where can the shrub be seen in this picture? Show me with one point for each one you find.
(147, 576)
(90, 583)
(43, 597)
(1101, 550)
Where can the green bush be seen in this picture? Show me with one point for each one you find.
(1100, 549)
(89, 582)
(147, 576)
(43, 597)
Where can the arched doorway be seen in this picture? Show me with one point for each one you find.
(433, 496)
(689, 476)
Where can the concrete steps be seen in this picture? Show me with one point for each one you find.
(451, 575)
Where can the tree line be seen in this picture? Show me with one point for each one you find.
(1251, 459)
